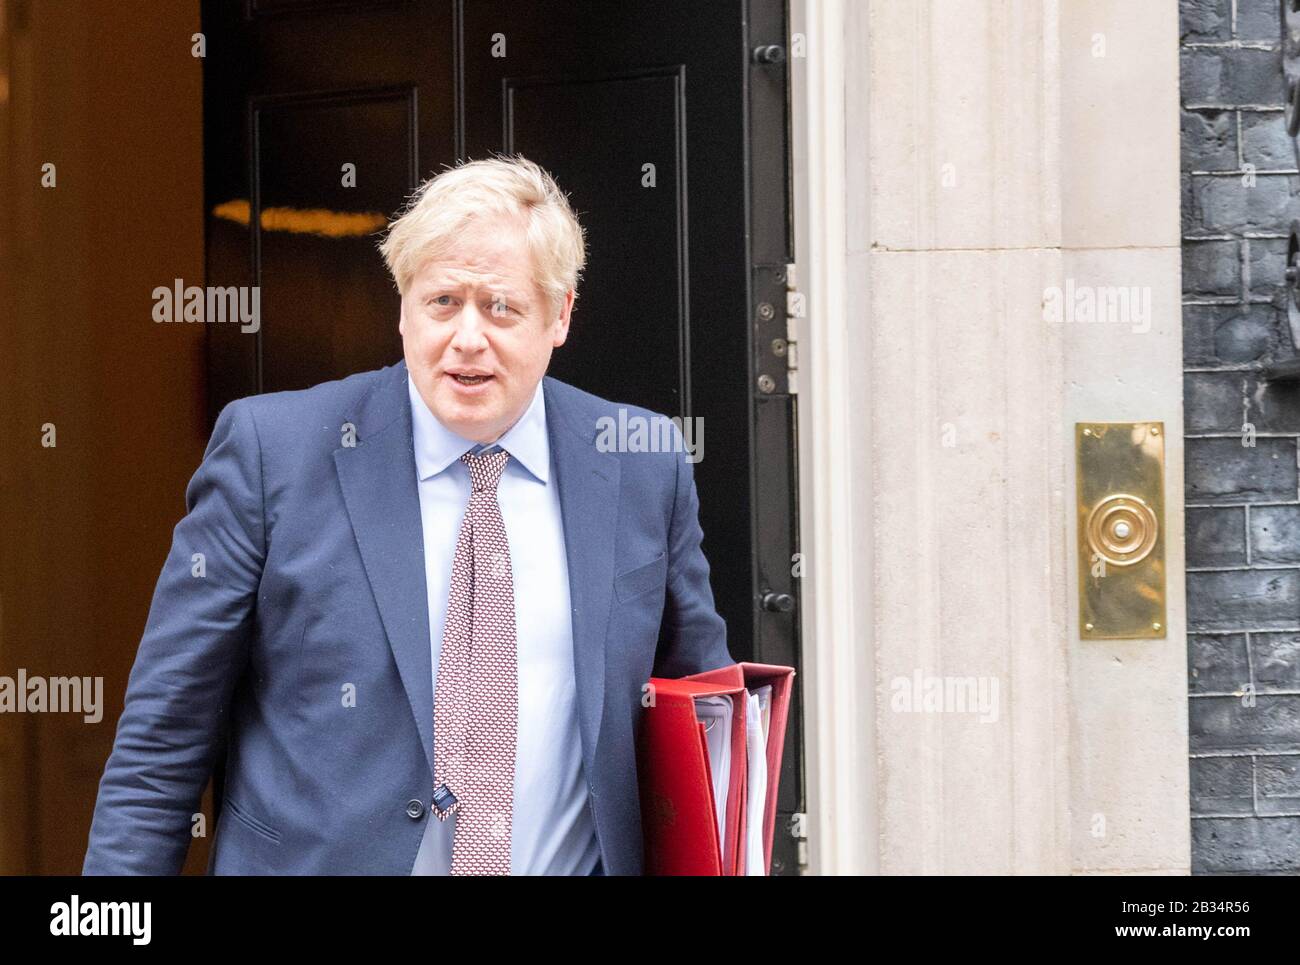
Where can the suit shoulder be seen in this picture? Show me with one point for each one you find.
(301, 408)
(294, 427)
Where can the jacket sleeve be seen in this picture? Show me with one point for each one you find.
(192, 653)
(693, 637)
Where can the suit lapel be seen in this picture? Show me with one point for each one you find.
(383, 500)
(588, 481)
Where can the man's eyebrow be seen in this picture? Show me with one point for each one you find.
(429, 287)
(493, 292)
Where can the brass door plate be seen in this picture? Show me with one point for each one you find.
(1120, 475)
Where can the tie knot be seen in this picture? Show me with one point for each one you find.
(485, 469)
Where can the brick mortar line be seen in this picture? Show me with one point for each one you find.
(1226, 301)
(1258, 172)
(1257, 693)
(1246, 541)
(1187, 505)
(1221, 633)
(1239, 236)
(1230, 45)
(1250, 672)
(1258, 108)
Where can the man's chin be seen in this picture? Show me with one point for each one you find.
(471, 420)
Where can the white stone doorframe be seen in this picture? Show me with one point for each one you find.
(838, 685)
(924, 313)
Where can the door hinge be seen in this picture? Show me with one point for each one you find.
(794, 310)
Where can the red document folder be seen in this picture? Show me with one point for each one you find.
(678, 809)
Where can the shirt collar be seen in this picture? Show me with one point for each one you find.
(437, 447)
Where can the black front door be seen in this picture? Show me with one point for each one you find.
(666, 121)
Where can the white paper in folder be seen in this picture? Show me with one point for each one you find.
(715, 713)
(756, 752)
(764, 695)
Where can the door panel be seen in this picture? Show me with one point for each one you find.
(623, 302)
(319, 289)
(293, 91)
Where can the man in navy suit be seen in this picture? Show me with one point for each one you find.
(303, 607)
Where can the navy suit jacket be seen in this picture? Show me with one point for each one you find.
(298, 572)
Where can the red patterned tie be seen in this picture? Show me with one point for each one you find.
(476, 701)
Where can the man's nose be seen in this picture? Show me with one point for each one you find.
(470, 326)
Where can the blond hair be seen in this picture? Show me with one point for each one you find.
(512, 186)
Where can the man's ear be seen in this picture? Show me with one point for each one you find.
(401, 319)
(562, 323)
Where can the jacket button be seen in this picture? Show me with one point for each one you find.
(415, 809)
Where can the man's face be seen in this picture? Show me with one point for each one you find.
(477, 331)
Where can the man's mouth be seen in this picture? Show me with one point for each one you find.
(469, 379)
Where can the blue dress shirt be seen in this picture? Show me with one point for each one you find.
(552, 831)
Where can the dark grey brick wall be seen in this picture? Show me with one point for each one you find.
(1243, 501)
